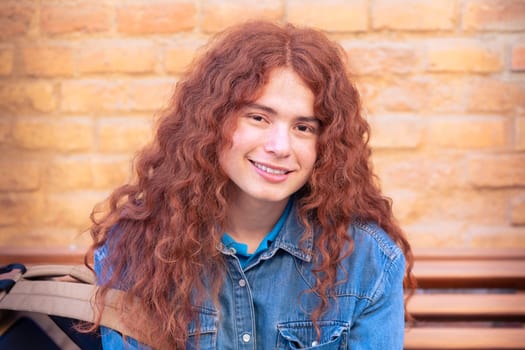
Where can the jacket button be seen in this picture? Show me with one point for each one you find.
(246, 338)
(242, 283)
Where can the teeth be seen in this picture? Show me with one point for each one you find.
(270, 170)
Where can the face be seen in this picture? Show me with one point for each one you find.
(273, 147)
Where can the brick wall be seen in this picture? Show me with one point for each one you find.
(443, 83)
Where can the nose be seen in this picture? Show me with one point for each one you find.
(278, 141)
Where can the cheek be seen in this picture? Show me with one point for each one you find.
(308, 155)
(244, 139)
(237, 138)
(231, 156)
(225, 158)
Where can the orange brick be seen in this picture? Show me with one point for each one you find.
(11, 208)
(91, 95)
(152, 94)
(401, 95)
(380, 60)
(405, 205)
(463, 56)
(68, 173)
(20, 97)
(71, 208)
(368, 88)
(468, 132)
(47, 61)
(520, 134)
(83, 173)
(431, 234)
(395, 132)
(414, 15)
(447, 94)
(19, 176)
(6, 60)
(494, 15)
(488, 95)
(217, 14)
(109, 56)
(157, 17)
(178, 57)
(497, 170)
(118, 135)
(332, 15)
(5, 130)
(497, 237)
(115, 95)
(518, 211)
(15, 18)
(64, 18)
(420, 172)
(470, 206)
(64, 135)
(518, 58)
(110, 173)
(457, 205)
(19, 209)
(78, 241)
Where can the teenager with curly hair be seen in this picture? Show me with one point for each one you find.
(255, 220)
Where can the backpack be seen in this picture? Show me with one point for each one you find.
(41, 304)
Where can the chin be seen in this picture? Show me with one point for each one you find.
(271, 198)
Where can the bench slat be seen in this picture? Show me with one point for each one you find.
(474, 305)
(505, 268)
(30, 256)
(441, 254)
(457, 273)
(464, 338)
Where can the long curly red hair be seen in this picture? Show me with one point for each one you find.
(166, 223)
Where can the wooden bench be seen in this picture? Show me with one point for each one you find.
(466, 299)
(32, 256)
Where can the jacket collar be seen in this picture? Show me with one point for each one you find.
(289, 239)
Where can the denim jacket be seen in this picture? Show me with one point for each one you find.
(265, 306)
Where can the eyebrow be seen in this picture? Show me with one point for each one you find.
(270, 110)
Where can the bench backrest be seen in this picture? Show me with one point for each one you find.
(467, 299)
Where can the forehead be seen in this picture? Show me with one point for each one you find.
(285, 91)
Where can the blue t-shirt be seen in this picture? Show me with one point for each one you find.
(241, 249)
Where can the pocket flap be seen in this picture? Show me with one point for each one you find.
(302, 335)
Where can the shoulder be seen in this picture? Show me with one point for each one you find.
(376, 262)
(369, 237)
(102, 254)
(100, 263)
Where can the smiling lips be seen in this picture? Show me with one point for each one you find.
(268, 170)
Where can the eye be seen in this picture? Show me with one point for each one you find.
(306, 128)
(256, 117)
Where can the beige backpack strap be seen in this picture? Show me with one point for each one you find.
(69, 296)
(78, 272)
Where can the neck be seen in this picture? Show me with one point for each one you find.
(250, 220)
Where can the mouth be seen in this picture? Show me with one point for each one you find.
(269, 170)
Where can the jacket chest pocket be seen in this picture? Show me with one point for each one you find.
(302, 335)
(203, 336)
